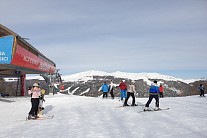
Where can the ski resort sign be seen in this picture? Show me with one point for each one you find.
(6, 44)
(24, 58)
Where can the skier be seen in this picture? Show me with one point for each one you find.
(201, 88)
(35, 93)
(42, 99)
(130, 92)
(153, 93)
(104, 89)
(123, 89)
(161, 89)
(111, 89)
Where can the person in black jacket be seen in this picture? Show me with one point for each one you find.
(201, 88)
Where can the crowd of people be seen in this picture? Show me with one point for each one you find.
(126, 91)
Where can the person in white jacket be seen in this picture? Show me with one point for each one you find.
(131, 92)
(35, 92)
(111, 89)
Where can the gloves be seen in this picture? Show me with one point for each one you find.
(30, 87)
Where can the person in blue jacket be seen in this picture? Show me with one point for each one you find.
(153, 93)
(105, 89)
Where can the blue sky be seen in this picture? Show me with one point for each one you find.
(163, 36)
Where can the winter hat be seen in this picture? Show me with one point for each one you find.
(155, 81)
(35, 85)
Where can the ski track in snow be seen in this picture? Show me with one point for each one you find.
(87, 117)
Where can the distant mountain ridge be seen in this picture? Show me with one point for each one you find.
(88, 83)
(88, 75)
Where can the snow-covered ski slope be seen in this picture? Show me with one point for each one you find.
(87, 117)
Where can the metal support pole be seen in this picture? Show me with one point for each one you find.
(50, 85)
(23, 79)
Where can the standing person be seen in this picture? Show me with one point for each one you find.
(161, 89)
(201, 88)
(35, 93)
(153, 93)
(105, 89)
(130, 92)
(123, 89)
(111, 89)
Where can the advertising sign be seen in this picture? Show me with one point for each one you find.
(6, 44)
(25, 58)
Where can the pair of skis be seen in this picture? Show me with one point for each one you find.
(41, 118)
(152, 110)
(137, 104)
(126, 106)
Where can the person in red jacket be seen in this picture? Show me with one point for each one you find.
(123, 89)
(161, 89)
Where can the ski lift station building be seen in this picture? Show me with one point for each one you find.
(18, 58)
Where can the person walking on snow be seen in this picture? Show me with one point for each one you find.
(131, 92)
(153, 93)
(123, 89)
(201, 88)
(111, 89)
(104, 89)
(161, 89)
(35, 93)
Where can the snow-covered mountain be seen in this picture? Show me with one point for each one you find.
(88, 75)
(88, 83)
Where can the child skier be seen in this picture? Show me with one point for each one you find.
(41, 102)
(161, 89)
(153, 93)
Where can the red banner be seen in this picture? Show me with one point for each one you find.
(25, 58)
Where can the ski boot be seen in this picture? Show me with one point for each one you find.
(125, 105)
(157, 108)
(147, 109)
(31, 117)
(134, 105)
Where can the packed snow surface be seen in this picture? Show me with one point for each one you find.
(87, 117)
